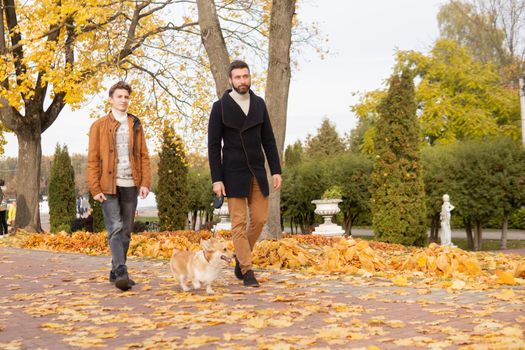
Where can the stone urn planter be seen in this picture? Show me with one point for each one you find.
(327, 208)
(224, 215)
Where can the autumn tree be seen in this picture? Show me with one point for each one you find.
(491, 30)
(54, 53)
(458, 97)
(62, 197)
(398, 207)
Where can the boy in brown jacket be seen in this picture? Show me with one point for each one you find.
(118, 170)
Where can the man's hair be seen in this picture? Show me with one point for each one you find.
(2, 182)
(120, 85)
(237, 64)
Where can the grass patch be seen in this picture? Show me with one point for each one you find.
(147, 218)
(490, 244)
(487, 244)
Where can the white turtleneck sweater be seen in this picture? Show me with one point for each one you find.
(242, 100)
(124, 175)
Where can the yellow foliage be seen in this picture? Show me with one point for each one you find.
(505, 277)
(440, 261)
(286, 253)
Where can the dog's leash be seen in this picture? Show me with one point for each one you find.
(217, 204)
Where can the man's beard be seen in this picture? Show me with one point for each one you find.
(242, 89)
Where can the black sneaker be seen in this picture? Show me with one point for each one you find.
(113, 278)
(122, 279)
(237, 270)
(249, 279)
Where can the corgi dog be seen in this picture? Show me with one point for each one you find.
(200, 267)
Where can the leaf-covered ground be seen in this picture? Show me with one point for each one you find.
(316, 293)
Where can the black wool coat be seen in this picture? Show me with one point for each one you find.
(236, 142)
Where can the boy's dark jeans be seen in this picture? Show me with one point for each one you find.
(119, 214)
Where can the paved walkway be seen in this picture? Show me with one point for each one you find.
(64, 301)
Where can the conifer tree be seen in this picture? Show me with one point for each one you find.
(172, 189)
(62, 198)
(327, 142)
(293, 154)
(398, 205)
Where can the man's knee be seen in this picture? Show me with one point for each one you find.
(259, 221)
(115, 230)
(238, 228)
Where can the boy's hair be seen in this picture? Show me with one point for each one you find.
(120, 85)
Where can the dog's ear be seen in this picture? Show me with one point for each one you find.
(205, 245)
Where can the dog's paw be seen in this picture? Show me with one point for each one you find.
(210, 290)
(196, 285)
(186, 288)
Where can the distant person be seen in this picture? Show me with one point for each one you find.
(79, 206)
(88, 220)
(84, 204)
(11, 216)
(118, 169)
(3, 210)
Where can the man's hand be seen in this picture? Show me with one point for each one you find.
(100, 197)
(218, 189)
(144, 191)
(277, 181)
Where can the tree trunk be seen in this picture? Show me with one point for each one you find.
(348, 222)
(214, 44)
(304, 228)
(434, 228)
(479, 236)
(504, 228)
(470, 238)
(194, 219)
(28, 180)
(276, 94)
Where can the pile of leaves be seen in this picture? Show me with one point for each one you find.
(78, 242)
(286, 253)
(348, 255)
(436, 260)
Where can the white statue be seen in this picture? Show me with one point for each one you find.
(446, 233)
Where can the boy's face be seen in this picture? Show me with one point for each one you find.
(120, 100)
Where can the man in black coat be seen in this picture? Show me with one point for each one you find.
(240, 129)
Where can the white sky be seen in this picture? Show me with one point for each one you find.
(363, 36)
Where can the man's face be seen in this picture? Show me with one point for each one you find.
(240, 80)
(120, 100)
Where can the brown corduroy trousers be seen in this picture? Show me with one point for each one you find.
(245, 235)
